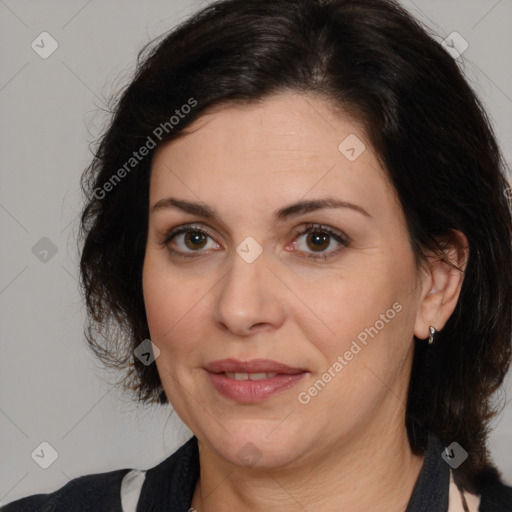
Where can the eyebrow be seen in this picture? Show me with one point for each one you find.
(292, 210)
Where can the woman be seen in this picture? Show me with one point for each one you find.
(297, 232)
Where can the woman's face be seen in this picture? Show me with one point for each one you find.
(243, 288)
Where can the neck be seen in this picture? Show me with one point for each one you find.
(366, 472)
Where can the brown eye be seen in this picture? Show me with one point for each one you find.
(318, 241)
(195, 239)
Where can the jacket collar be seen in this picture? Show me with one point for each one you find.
(432, 486)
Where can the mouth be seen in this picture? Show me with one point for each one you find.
(252, 381)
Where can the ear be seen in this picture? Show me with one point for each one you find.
(442, 282)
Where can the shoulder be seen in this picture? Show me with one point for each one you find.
(495, 495)
(98, 491)
(115, 491)
(487, 494)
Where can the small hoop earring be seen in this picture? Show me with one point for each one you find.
(432, 331)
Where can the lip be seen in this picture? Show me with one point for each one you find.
(251, 366)
(252, 391)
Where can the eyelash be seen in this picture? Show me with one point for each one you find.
(309, 228)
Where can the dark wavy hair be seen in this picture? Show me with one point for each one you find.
(427, 127)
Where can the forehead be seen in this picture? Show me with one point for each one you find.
(291, 142)
(282, 123)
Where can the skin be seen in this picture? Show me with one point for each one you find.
(347, 448)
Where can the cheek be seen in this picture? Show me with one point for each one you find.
(372, 328)
(378, 327)
(158, 302)
(371, 316)
(169, 301)
(350, 306)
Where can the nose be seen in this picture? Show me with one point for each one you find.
(249, 298)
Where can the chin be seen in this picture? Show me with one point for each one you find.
(259, 445)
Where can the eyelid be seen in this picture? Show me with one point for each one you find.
(183, 228)
(312, 226)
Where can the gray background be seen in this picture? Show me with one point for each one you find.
(51, 388)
